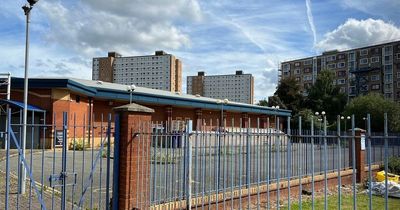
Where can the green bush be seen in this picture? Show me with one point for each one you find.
(78, 145)
(394, 165)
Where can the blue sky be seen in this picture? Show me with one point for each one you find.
(215, 36)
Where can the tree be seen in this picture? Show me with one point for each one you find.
(324, 95)
(288, 92)
(263, 102)
(307, 116)
(276, 101)
(376, 106)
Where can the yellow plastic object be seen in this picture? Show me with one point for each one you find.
(380, 177)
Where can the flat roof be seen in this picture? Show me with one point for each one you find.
(338, 51)
(114, 91)
(19, 104)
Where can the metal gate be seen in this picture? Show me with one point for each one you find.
(71, 169)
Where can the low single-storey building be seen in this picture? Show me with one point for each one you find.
(94, 100)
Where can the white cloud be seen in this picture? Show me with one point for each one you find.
(357, 33)
(93, 27)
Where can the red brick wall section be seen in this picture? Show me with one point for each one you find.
(134, 182)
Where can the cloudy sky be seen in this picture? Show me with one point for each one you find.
(215, 36)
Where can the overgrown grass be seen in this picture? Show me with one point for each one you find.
(378, 202)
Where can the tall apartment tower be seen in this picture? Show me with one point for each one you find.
(160, 71)
(237, 87)
(358, 71)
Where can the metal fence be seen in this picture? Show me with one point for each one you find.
(212, 166)
(68, 164)
(246, 168)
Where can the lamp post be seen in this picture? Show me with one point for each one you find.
(222, 102)
(322, 114)
(22, 176)
(345, 122)
(275, 108)
(365, 122)
(130, 89)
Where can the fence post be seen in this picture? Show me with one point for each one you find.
(359, 154)
(189, 168)
(131, 117)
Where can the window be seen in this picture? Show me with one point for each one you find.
(388, 69)
(341, 65)
(375, 77)
(388, 87)
(340, 56)
(352, 56)
(298, 79)
(286, 67)
(375, 87)
(388, 78)
(388, 59)
(331, 58)
(307, 70)
(398, 56)
(398, 84)
(331, 66)
(352, 90)
(364, 61)
(307, 78)
(341, 81)
(297, 71)
(388, 50)
(364, 52)
(307, 62)
(341, 73)
(375, 59)
(297, 64)
(398, 75)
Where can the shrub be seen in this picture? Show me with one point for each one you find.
(78, 145)
(394, 165)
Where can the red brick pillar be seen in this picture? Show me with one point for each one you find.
(360, 154)
(134, 147)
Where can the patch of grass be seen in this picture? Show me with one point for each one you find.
(347, 202)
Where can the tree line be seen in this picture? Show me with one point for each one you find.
(325, 95)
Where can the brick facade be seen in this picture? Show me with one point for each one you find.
(85, 110)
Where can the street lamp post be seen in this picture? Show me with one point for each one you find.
(222, 102)
(275, 108)
(365, 123)
(345, 122)
(130, 89)
(320, 123)
(22, 176)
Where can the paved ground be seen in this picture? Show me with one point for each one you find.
(49, 163)
(168, 166)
